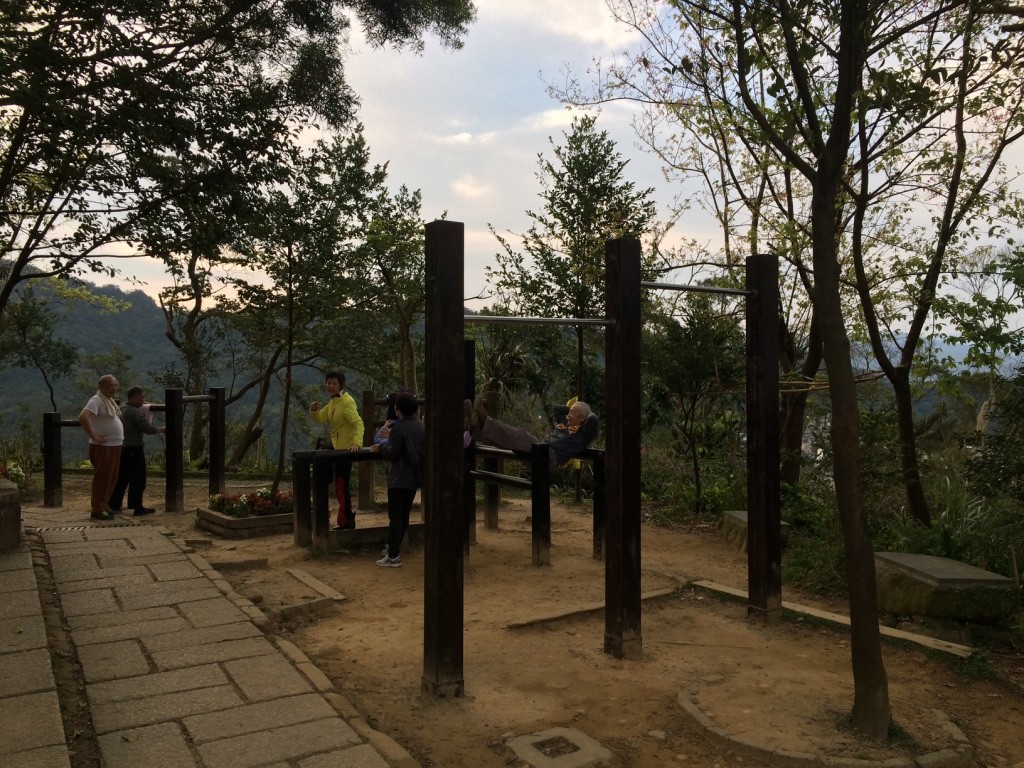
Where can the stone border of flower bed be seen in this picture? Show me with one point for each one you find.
(243, 527)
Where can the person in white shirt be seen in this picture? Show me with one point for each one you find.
(101, 421)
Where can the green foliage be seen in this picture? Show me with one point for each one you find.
(587, 201)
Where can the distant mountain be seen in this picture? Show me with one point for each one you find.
(137, 331)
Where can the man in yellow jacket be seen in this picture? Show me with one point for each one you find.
(342, 418)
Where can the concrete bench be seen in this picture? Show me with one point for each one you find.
(925, 585)
(734, 529)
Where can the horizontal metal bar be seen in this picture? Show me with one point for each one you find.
(495, 319)
(196, 398)
(494, 477)
(698, 289)
(500, 453)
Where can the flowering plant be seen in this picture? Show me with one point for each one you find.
(12, 471)
(256, 504)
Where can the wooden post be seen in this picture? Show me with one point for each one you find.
(323, 480)
(367, 495)
(598, 463)
(174, 413)
(540, 504)
(764, 516)
(302, 525)
(469, 483)
(492, 491)
(53, 461)
(622, 636)
(218, 440)
(443, 583)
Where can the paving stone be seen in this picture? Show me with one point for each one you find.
(104, 580)
(17, 580)
(213, 653)
(65, 577)
(174, 571)
(91, 601)
(166, 593)
(252, 718)
(189, 637)
(64, 548)
(138, 558)
(363, 756)
(118, 715)
(73, 564)
(22, 633)
(21, 603)
(126, 631)
(208, 613)
(156, 746)
(45, 757)
(156, 684)
(16, 559)
(115, 618)
(30, 722)
(25, 672)
(282, 744)
(110, 661)
(266, 677)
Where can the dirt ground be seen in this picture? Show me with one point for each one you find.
(787, 685)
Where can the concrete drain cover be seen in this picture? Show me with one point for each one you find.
(559, 748)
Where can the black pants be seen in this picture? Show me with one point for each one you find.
(131, 476)
(343, 491)
(399, 506)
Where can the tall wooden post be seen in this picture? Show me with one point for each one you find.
(174, 413)
(218, 440)
(764, 516)
(445, 530)
(366, 468)
(53, 460)
(540, 504)
(622, 636)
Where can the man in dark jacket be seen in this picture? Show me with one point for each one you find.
(403, 446)
(575, 429)
(131, 474)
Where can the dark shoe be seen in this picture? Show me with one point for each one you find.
(143, 511)
(113, 511)
(101, 516)
(345, 527)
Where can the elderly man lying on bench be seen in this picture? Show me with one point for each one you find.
(575, 429)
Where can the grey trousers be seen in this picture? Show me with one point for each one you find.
(501, 435)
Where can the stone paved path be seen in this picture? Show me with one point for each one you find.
(177, 669)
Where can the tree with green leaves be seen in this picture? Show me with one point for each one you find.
(894, 118)
(587, 200)
(98, 103)
(695, 368)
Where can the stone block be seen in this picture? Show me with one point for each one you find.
(10, 516)
(734, 529)
(925, 585)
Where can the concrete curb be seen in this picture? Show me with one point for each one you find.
(960, 757)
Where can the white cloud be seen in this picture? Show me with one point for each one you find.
(469, 187)
(588, 21)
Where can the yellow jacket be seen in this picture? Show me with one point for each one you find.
(343, 418)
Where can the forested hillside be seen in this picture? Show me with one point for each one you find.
(136, 333)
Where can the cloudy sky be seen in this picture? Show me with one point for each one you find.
(465, 127)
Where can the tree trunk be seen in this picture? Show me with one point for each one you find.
(871, 711)
(793, 415)
(916, 501)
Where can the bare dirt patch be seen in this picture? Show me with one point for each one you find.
(787, 685)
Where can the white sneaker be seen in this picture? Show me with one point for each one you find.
(390, 562)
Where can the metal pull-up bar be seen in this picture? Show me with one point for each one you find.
(698, 288)
(504, 320)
